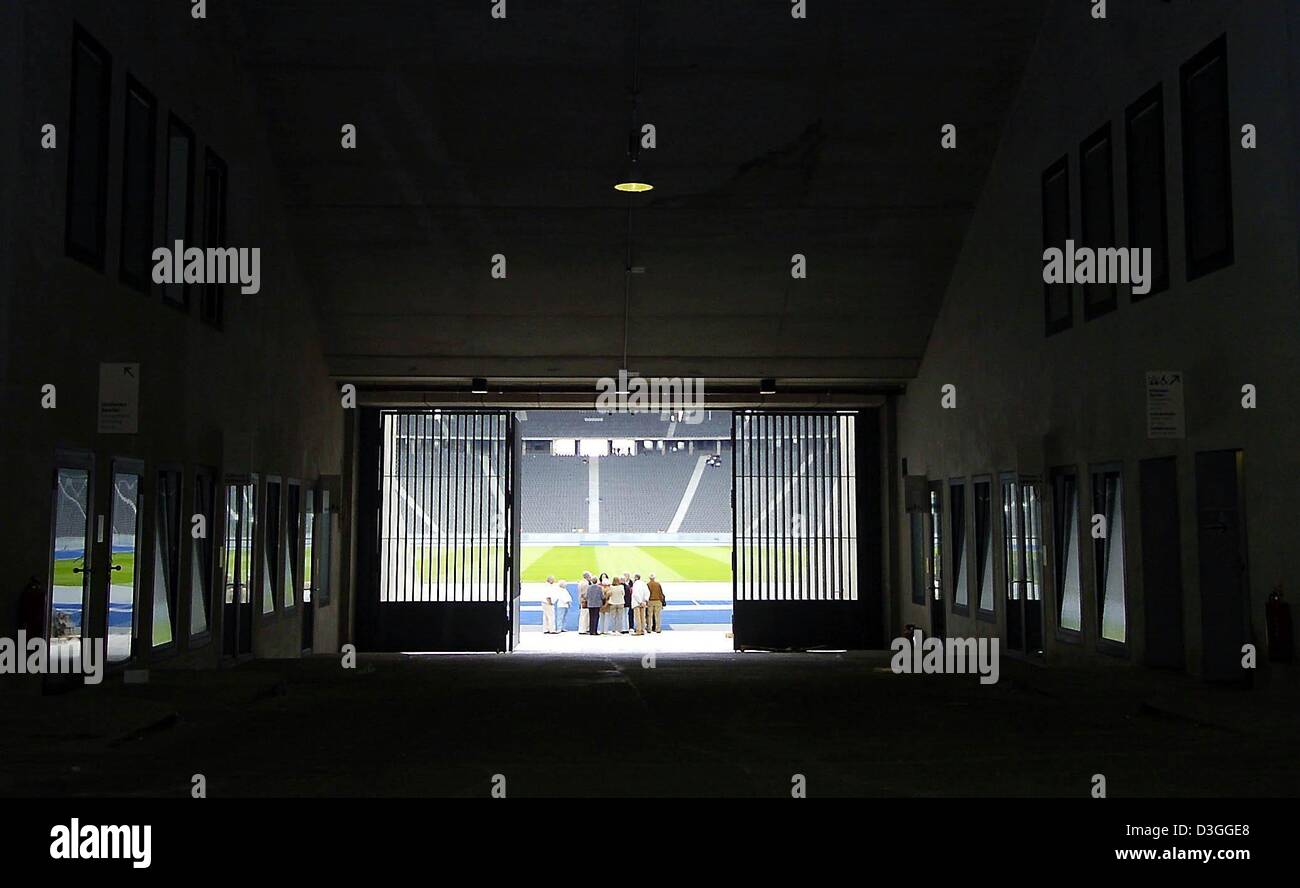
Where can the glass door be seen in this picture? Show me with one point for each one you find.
(308, 565)
(1022, 534)
(71, 548)
(123, 545)
(237, 568)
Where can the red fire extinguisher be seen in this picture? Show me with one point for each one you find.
(1277, 616)
(31, 608)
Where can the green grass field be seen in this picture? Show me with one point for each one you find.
(678, 564)
(675, 564)
(64, 576)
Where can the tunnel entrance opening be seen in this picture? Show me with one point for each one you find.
(757, 530)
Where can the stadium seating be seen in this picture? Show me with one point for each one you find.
(553, 494)
(638, 494)
(641, 493)
(710, 510)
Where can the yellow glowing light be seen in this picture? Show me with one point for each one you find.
(633, 186)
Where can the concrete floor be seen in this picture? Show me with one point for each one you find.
(602, 725)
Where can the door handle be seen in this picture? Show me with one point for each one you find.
(81, 570)
(116, 567)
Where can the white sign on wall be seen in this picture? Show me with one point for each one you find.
(1165, 418)
(119, 399)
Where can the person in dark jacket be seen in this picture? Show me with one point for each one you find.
(595, 600)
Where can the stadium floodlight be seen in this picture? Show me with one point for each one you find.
(478, 386)
(767, 387)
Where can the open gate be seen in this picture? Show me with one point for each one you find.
(805, 548)
(444, 575)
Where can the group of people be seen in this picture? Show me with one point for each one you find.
(623, 605)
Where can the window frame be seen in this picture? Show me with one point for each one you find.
(1097, 308)
(321, 589)
(135, 89)
(917, 541)
(177, 471)
(265, 537)
(175, 124)
(1156, 96)
(1059, 557)
(211, 293)
(1200, 265)
(954, 570)
(991, 615)
(936, 548)
(1061, 167)
(202, 475)
(96, 255)
(1109, 645)
(294, 567)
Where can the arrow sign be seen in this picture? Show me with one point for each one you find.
(119, 399)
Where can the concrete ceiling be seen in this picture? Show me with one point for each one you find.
(775, 136)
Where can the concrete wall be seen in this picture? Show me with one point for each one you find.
(251, 397)
(1029, 402)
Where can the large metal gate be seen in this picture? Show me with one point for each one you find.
(444, 572)
(798, 531)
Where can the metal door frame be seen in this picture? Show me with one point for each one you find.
(810, 619)
(421, 623)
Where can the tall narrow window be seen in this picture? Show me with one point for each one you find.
(918, 556)
(1057, 300)
(166, 556)
(138, 163)
(935, 549)
(123, 561)
(180, 200)
(1207, 165)
(1144, 133)
(1097, 200)
(87, 198)
(308, 544)
(1065, 527)
(292, 544)
(271, 547)
(1108, 553)
(957, 509)
(201, 552)
(324, 540)
(1013, 560)
(71, 549)
(214, 231)
(984, 547)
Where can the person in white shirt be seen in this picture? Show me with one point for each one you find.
(548, 608)
(583, 615)
(640, 603)
(562, 602)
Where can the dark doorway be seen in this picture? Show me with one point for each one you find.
(1162, 563)
(1221, 553)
